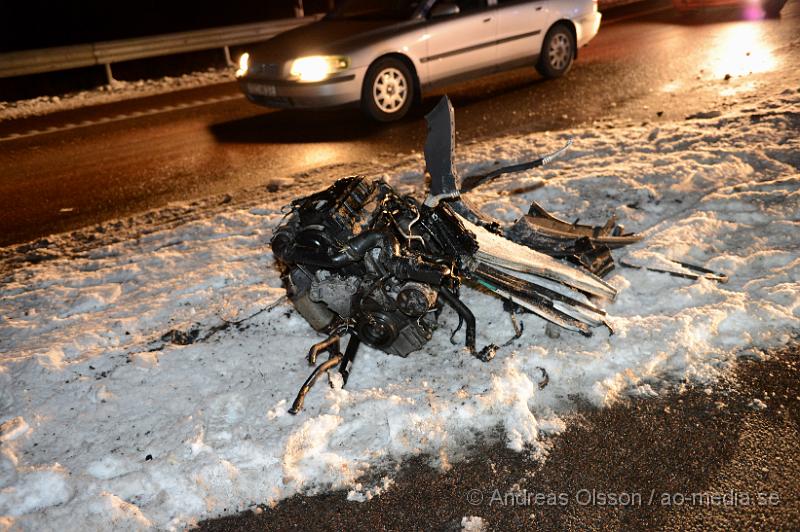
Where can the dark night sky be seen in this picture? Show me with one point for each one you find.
(26, 24)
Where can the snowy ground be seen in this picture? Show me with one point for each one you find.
(127, 401)
(119, 90)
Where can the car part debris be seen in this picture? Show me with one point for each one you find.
(474, 181)
(359, 259)
(694, 272)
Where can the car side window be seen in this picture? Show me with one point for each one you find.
(465, 6)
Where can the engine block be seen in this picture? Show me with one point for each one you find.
(344, 265)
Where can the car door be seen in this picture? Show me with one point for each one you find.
(521, 25)
(461, 43)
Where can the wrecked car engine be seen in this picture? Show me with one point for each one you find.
(359, 259)
(350, 267)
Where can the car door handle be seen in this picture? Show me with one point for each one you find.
(487, 19)
(539, 8)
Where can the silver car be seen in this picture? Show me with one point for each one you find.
(386, 53)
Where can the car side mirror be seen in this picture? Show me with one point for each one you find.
(444, 9)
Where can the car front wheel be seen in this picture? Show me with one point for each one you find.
(558, 51)
(388, 90)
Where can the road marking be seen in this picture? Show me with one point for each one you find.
(120, 117)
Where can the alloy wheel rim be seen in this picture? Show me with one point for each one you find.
(390, 90)
(560, 50)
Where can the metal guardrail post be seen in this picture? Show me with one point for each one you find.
(109, 74)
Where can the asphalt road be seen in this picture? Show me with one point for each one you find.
(76, 168)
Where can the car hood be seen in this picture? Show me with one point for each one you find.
(327, 37)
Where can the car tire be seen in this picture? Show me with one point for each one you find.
(772, 8)
(558, 52)
(388, 91)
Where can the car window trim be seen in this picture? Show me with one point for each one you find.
(509, 3)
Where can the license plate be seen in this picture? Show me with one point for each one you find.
(261, 89)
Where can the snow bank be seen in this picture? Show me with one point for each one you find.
(126, 401)
(114, 92)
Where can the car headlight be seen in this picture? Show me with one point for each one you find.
(244, 65)
(318, 67)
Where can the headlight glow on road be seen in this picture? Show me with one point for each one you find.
(244, 65)
(741, 49)
(318, 67)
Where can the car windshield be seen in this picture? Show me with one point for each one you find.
(375, 10)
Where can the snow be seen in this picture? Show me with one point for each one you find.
(757, 404)
(359, 494)
(34, 491)
(472, 523)
(144, 382)
(113, 92)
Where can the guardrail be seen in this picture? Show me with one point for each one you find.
(105, 53)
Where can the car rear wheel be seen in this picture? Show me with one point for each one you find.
(773, 7)
(558, 52)
(388, 90)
